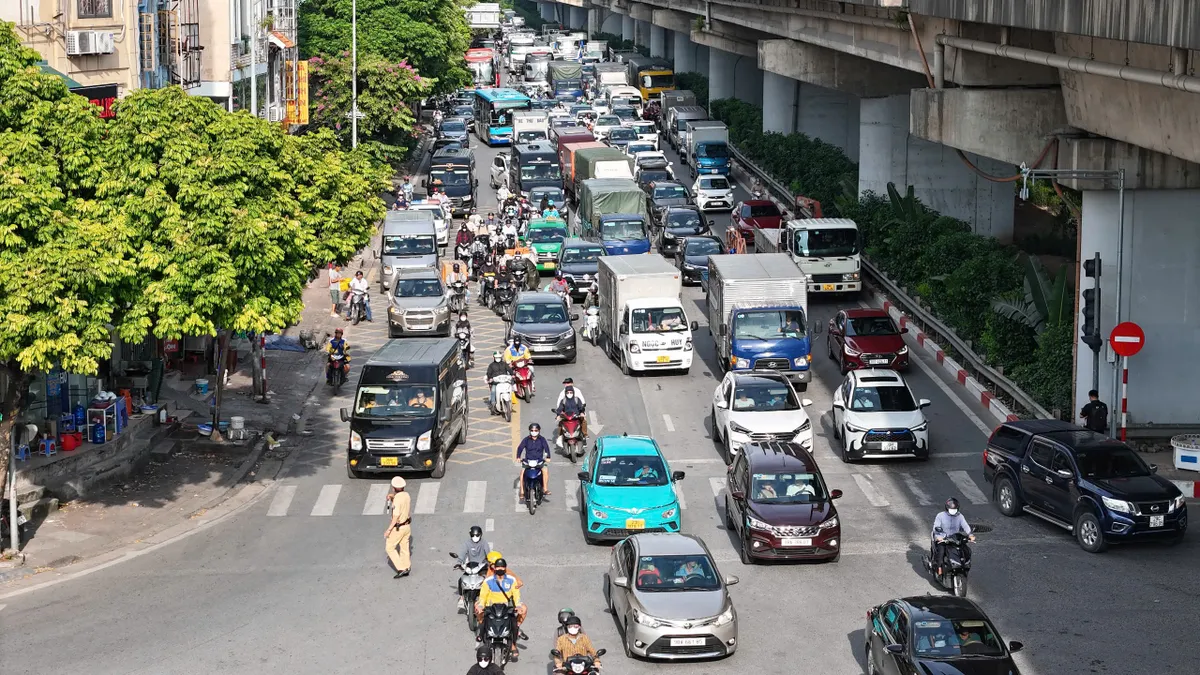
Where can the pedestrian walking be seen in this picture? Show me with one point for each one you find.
(399, 532)
(1095, 413)
(335, 288)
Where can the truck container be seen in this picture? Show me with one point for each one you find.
(677, 119)
(594, 51)
(642, 322)
(484, 16)
(612, 211)
(650, 75)
(708, 148)
(604, 162)
(609, 74)
(685, 136)
(825, 249)
(673, 99)
(566, 159)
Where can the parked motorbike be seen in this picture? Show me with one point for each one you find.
(570, 435)
(458, 297)
(358, 307)
(522, 379)
(579, 664)
(468, 587)
(499, 631)
(591, 324)
(338, 368)
(957, 566)
(532, 475)
(504, 395)
(5, 526)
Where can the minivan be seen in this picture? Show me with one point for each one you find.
(409, 410)
(409, 240)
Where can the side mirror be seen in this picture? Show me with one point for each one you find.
(695, 325)
(731, 580)
(476, 182)
(722, 405)
(1014, 646)
(453, 555)
(1063, 473)
(555, 654)
(839, 406)
(835, 494)
(678, 475)
(624, 330)
(574, 317)
(904, 330)
(345, 414)
(806, 402)
(621, 582)
(924, 403)
(583, 476)
(601, 652)
(1153, 468)
(737, 494)
(724, 330)
(895, 649)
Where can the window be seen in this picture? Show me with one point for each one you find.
(872, 326)
(761, 211)
(409, 244)
(762, 395)
(395, 401)
(882, 399)
(958, 637)
(831, 242)
(1041, 454)
(1062, 463)
(1008, 439)
(667, 573)
(1109, 462)
(791, 487)
(540, 313)
(419, 288)
(772, 324)
(659, 320)
(745, 212)
(95, 9)
(625, 471)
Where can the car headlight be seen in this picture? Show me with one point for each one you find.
(356, 442)
(646, 620)
(803, 427)
(687, 346)
(599, 515)
(853, 429)
(757, 524)
(850, 276)
(832, 522)
(441, 309)
(424, 440)
(922, 426)
(570, 333)
(690, 266)
(668, 514)
(387, 269)
(850, 351)
(738, 429)
(397, 310)
(466, 198)
(667, 234)
(634, 348)
(741, 363)
(1176, 504)
(1118, 505)
(725, 617)
(802, 361)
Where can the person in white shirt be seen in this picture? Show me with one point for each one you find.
(502, 194)
(360, 284)
(335, 287)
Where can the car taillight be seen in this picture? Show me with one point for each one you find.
(985, 456)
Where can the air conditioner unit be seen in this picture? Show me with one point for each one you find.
(86, 42)
(274, 113)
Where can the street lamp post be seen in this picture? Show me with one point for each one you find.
(354, 73)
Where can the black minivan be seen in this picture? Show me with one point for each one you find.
(410, 408)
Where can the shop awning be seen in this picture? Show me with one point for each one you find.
(45, 66)
(280, 40)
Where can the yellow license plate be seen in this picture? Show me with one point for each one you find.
(548, 266)
(664, 359)
(635, 524)
(389, 461)
(827, 287)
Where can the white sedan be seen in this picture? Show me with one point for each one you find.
(712, 193)
(646, 131)
(758, 407)
(875, 416)
(604, 124)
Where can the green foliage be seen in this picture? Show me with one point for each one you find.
(386, 92)
(695, 83)
(1045, 302)
(431, 35)
(1047, 378)
(615, 42)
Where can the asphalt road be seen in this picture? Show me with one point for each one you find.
(298, 582)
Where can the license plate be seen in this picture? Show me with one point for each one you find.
(389, 461)
(687, 642)
(543, 348)
(635, 524)
(890, 446)
(1156, 521)
(879, 362)
(663, 359)
(795, 543)
(548, 265)
(827, 287)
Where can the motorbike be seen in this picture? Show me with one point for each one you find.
(487, 288)
(503, 296)
(570, 435)
(532, 475)
(756, 189)
(462, 252)
(468, 587)
(522, 379)
(358, 307)
(499, 631)
(5, 526)
(458, 297)
(477, 257)
(591, 324)
(338, 368)
(958, 564)
(510, 239)
(464, 346)
(579, 664)
(504, 393)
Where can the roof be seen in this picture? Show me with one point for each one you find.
(758, 202)
(683, 207)
(778, 456)
(452, 153)
(879, 377)
(414, 351)
(501, 95)
(1079, 438)
(669, 544)
(762, 376)
(943, 607)
(537, 146)
(826, 222)
(626, 446)
(575, 242)
(863, 313)
(538, 296)
(1041, 426)
(418, 273)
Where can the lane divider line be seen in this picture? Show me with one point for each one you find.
(667, 421)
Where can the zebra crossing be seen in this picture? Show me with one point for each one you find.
(879, 490)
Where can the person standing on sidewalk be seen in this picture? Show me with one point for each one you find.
(335, 288)
(399, 532)
(1095, 413)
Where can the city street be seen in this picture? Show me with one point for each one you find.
(297, 582)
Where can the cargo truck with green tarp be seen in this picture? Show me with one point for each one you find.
(566, 77)
(600, 163)
(612, 211)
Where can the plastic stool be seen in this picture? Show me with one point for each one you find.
(23, 452)
(48, 446)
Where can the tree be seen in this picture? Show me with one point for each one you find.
(1045, 303)
(431, 35)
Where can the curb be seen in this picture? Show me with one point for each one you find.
(999, 412)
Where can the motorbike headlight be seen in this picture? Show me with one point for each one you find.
(599, 515)
(832, 522)
(802, 361)
(726, 617)
(850, 276)
(1118, 505)
(1176, 504)
(922, 426)
(741, 363)
(646, 620)
(635, 348)
(356, 442)
(424, 440)
(738, 429)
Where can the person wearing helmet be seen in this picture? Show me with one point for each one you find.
(495, 369)
(550, 211)
(517, 351)
(337, 345)
(475, 551)
(560, 287)
(398, 536)
(534, 447)
(569, 386)
(947, 523)
(574, 643)
(483, 663)
(500, 588)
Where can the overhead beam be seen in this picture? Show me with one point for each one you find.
(641, 12)
(835, 70)
(672, 20)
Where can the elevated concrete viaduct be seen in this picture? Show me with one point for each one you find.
(1089, 85)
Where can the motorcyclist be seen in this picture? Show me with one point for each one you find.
(483, 663)
(509, 230)
(487, 278)
(500, 588)
(464, 324)
(550, 211)
(947, 523)
(518, 352)
(337, 345)
(463, 238)
(574, 643)
(534, 447)
(502, 193)
(495, 369)
(592, 296)
(490, 222)
(570, 404)
(474, 551)
(569, 385)
(560, 286)
(407, 188)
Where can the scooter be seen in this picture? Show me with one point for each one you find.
(468, 587)
(532, 475)
(499, 632)
(957, 566)
(504, 394)
(339, 368)
(358, 307)
(464, 347)
(591, 325)
(579, 664)
(523, 380)
(462, 252)
(487, 289)
(503, 296)
(570, 435)
(458, 297)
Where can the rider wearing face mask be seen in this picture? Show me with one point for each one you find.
(474, 551)
(574, 643)
(464, 324)
(534, 447)
(483, 663)
(946, 524)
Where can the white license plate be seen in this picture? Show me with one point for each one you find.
(889, 446)
(795, 543)
(1156, 521)
(687, 642)
(878, 362)
(543, 348)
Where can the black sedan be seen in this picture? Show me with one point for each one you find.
(935, 634)
(663, 194)
(692, 256)
(678, 222)
(646, 178)
(621, 136)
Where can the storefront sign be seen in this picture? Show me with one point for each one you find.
(56, 382)
(102, 96)
(297, 109)
(171, 346)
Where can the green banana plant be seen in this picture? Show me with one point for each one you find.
(1046, 301)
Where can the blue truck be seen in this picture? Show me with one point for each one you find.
(757, 313)
(707, 147)
(612, 211)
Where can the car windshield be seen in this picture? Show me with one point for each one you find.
(547, 235)
(563, 122)
(764, 211)
(454, 125)
(554, 195)
(1106, 463)
(634, 148)
(608, 121)
(683, 218)
(644, 127)
(528, 136)
(714, 184)
(447, 144)
(958, 637)
(716, 151)
(441, 177)
(419, 288)
(872, 326)
(670, 192)
(659, 320)
(622, 134)
(409, 244)
(647, 470)
(822, 243)
(882, 399)
(623, 229)
(703, 247)
(578, 254)
(763, 396)
(649, 176)
(464, 111)
(660, 573)
(575, 109)
(543, 171)
(395, 400)
(540, 312)
(626, 114)
(787, 488)
(586, 115)
(771, 324)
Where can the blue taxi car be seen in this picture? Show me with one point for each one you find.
(626, 487)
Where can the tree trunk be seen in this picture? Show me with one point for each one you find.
(260, 389)
(14, 405)
(222, 359)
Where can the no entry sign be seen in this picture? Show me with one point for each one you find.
(1127, 339)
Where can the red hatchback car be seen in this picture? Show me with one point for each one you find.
(866, 338)
(778, 506)
(754, 213)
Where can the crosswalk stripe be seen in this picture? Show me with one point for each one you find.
(667, 421)
(868, 488)
(376, 502)
(572, 494)
(326, 500)
(489, 525)
(914, 486)
(476, 494)
(679, 496)
(282, 500)
(962, 480)
(717, 484)
(427, 498)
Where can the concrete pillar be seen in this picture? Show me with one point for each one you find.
(612, 24)
(721, 74)
(685, 52)
(887, 153)
(831, 116)
(641, 31)
(702, 59)
(595, 21)
(658, 41)
(669, 41)
(748, 80)
(627, 27)
(546, 11)
(779, 103)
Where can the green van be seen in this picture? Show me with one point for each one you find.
(546, 236)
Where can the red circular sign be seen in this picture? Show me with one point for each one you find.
(1127, 339)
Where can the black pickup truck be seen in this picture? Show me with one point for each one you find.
(1098, 489)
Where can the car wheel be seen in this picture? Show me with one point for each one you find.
(842, 366)
(716, 430)
(439, 466)
(1089, 533)
(845, 448)
(1006, 497)
(871, 661)
(836, 433)
(393, 334)
(744, 551)
(728, 451)
(625, 369)
(625, 642)
(730, 524)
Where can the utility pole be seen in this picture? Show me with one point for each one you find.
(354, 73)
(255, 18)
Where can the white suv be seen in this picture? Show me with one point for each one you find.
(758, 406)
(875, 416)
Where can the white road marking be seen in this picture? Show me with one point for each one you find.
(679, 496)
(520, 504)
(476, 493)
(717, 484)
(704, 460)
(572, 494)
(868, 488)
(427, 498)
(667, 421)
(914, 486)
(326, 500)
(2, 607)
(283, 500)
(594, 425)
(489, 525)
(376, 502)
(962, 480)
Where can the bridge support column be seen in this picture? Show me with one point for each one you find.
(685, 52)
(627, 27)
(613, 23)
(546, 11)
(641, 33)
(888, 153)
(658, 41)
(578, 17)
(779, 103)
(830, 116)
(702, 59)
(596, 21)
(722, 68)
(748, 80)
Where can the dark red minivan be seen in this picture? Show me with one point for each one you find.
(866, 338)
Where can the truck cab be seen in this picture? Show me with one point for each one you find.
(621, 233)
(825, 249)
(642, 319)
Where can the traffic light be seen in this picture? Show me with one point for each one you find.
(1091, 268)
(1091, 305)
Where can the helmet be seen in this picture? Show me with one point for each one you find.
(337, 331)
(483, 654)
(494, 557)
(573, 621)
(550, 202)
(564, 614)
(568, 380)
(397, 483)
(951, 503)
(496, 357)
(535, 427)
(558, 274)
(500, 564)
(476, 531)
(517, 341)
